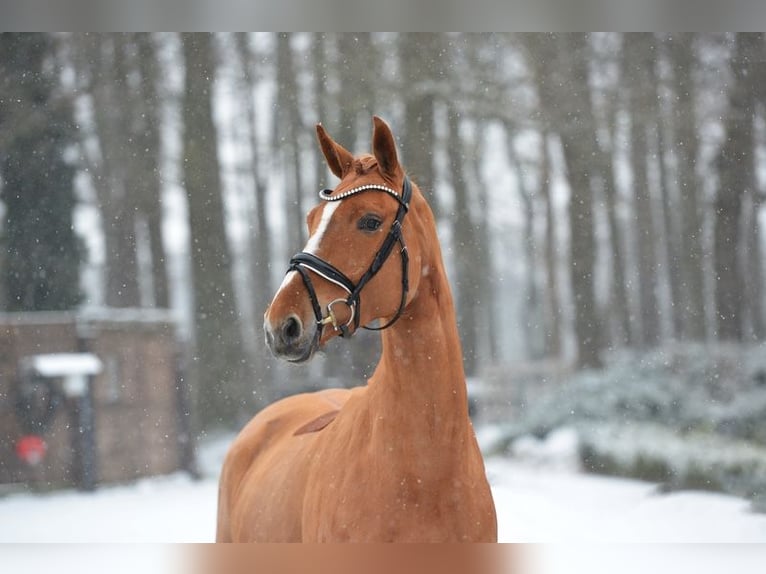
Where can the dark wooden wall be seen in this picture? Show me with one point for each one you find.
(135, 397)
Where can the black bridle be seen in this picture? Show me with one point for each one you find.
(304, 262)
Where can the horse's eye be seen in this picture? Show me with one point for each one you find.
(369, 223)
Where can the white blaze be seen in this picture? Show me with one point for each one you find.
(288, 276)
(312, 245)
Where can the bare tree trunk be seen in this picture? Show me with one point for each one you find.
(580, 147)
(288, 123)
(357, 67)
(670, 231)
(466, 248)
(683, 62)
(737, 178)
(619, 304)
(260, 238)
(418, 54)
(755, 288)
(754, 277)
(123, 287)
(320, 72)
(639, 58)
(551, 295)
(486, 297)
(147, 154)
(532, 312)
(222, 392)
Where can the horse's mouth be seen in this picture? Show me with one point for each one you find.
(306, 356)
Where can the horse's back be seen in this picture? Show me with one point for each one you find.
(264, 473)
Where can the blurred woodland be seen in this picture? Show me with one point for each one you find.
(593, 192)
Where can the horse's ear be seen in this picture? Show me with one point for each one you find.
(339, 159)
(384, 148)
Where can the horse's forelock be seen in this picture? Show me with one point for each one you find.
(365, 164)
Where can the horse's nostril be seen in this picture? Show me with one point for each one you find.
(291, 329)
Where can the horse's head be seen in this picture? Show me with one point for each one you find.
(355, 267)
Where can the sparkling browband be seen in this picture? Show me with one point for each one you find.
(325, 193)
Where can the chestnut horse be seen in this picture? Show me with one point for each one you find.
(395, 460)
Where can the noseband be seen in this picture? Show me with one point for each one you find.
(304, 262)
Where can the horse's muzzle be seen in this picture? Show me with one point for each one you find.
(290, 340)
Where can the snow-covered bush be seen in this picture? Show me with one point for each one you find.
(684, 415)
(693, 460)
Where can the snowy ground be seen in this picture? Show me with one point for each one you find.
(535, 504)
(541, 505)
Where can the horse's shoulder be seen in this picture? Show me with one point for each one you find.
(289, 415)
(330, 402)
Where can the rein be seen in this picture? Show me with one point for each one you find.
(303, 262)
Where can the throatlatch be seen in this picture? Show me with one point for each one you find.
(303, 262)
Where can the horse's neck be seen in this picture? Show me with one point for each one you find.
(418, 391)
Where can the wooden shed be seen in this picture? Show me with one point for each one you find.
(129, 420)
